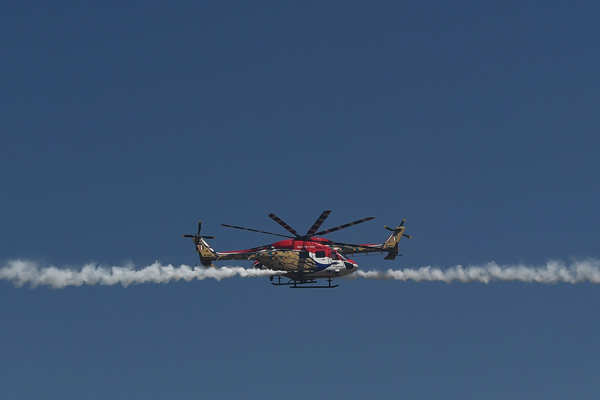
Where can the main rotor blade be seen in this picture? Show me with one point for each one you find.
(318, 223)
(256, 230)
(337, 228)
(360, 246)
(282, 223)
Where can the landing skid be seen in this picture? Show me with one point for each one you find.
(303, 284)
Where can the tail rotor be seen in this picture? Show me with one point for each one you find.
(206, 253)
(391, 244)
(198, 236)
(399, 229)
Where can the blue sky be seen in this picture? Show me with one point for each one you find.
(124, 124)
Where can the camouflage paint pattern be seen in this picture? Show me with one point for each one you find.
(286, 260)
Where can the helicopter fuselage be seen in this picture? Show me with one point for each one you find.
(309, 258)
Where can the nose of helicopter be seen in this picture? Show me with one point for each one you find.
(350, 265)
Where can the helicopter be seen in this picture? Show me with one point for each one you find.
(302, 259)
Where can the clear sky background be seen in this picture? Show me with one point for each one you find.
(122, 125)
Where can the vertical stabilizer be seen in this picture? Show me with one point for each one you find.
(206, 253)
(391, 244)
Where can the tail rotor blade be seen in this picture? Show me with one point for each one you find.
(198, 236)
(397, 228)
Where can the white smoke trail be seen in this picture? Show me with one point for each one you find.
(21, 272)
(552, 272)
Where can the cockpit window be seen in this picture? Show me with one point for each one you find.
(320, 254)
